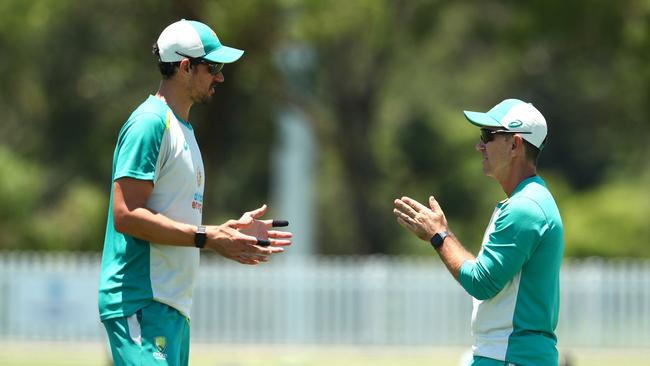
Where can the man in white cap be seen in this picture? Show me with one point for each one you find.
(515, 278)
(154, 230)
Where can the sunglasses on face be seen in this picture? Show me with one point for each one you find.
(489, 135)
(213, 67)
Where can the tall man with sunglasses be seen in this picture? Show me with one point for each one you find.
(514, 279)
(154, 231)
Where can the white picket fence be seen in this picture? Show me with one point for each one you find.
(342, 300)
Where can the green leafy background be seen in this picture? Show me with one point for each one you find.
(383, 83)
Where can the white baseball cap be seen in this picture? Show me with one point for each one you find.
(189, 38)
(513, 115)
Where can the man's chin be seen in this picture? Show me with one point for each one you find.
(488, 172)
(204, 99)
(208, 97)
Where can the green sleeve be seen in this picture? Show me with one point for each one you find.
(517, 232)
(138, 147)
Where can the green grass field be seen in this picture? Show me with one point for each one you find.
(94, 354)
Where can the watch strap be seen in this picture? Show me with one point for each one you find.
(200, 236)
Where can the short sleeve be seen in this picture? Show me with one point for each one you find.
(138, 147)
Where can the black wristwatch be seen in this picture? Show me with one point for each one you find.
(438, 239)
(200, 237)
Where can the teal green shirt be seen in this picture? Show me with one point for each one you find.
(156, 146)
(515, 279)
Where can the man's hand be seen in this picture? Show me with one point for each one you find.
(247, 240)
(425, 222)
(422, 221)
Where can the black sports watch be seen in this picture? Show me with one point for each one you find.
(438, 239)
(200, 237)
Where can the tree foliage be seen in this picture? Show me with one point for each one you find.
(384, 88)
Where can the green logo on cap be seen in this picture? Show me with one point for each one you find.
(515, 124)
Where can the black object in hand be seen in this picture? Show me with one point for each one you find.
(280, 223)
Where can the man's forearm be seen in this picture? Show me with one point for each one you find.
(145, 224)
(453, 254)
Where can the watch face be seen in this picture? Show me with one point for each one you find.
(438, 239)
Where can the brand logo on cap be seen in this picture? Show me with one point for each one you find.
(515, 124)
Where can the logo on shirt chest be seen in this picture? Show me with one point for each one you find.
(197, 202)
